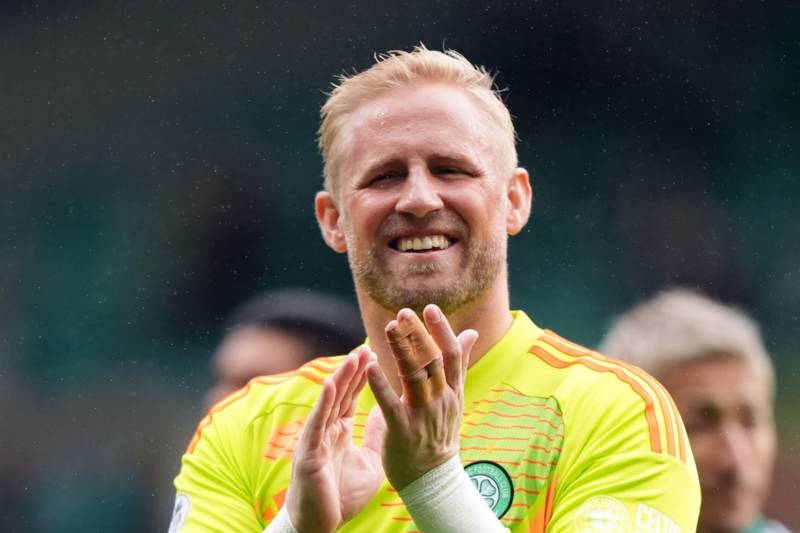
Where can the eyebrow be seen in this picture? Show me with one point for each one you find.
(379, 162)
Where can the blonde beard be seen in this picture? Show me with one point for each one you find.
(478, 274)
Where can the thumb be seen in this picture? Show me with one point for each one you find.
(375, 431)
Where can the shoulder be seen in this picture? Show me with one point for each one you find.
(594, 390)
(296, 390)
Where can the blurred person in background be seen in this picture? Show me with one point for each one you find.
(278, 331)
(712, 359)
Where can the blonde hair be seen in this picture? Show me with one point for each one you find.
(680, 325)
(398, 69)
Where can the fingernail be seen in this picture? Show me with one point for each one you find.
(434, 313)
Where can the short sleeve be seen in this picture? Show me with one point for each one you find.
(627, 465)
(628, 492)
(212, 493)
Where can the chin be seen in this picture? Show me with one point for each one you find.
(723, 521)
(394, 298)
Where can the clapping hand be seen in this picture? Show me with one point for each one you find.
(332, 479)
(424, 425)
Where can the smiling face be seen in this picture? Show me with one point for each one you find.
(422, 207)
(726, 405)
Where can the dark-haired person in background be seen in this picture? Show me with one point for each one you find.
(712, 360)
(279, 330)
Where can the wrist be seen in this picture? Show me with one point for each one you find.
(431, 482)
(282, 523)
(306, 526)
(408, 473)
(444, 499)
(302, 522)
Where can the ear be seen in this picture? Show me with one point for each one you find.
(519, 195)
(328, 220)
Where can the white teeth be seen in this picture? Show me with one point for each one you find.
(418, 244)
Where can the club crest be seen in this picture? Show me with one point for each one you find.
(494, 485)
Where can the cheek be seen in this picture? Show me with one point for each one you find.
(764, 446)
(483, 204)
(363, 215)
(704, 447)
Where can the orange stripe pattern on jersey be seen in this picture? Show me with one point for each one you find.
(665, 428)
(524, 434)
(315, 371)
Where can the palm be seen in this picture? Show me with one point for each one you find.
(352, 474)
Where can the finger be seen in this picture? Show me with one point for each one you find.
(446, 340)
(436, 377)
(467, 340)
(411, 345)
(364, 356)
(391, 406)
(418, 388)
(317, 420)
(341, 378)
(351, 384)
(417, 358)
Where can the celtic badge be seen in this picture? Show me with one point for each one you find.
(493, 484)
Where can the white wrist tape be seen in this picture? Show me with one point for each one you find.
(281, 524)
(444, 500)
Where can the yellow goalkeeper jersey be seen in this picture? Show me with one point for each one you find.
(555, 438)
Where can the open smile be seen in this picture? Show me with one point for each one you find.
(425, 243)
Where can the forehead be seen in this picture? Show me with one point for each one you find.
(249, 345)
(725, 381)
(414, 103)
(416, 119)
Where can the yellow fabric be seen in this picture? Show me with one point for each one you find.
(590, 445)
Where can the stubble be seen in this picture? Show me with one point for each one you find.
(415, 288)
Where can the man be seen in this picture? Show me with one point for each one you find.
(712, 360)
(422, 190)
(277, 331)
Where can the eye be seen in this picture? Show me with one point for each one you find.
(385, 178)
(702, 418)
(449, 170)
(695, 425)
(749, 418)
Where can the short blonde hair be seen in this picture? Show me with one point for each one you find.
(680, 325)
(398, 69)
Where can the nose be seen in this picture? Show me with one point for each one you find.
(419, 194)
(733, 453)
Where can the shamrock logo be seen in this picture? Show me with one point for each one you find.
(493, 484)
(487, 488)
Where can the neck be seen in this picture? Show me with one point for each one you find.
(489, 315)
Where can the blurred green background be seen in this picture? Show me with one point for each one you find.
(158, 165)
